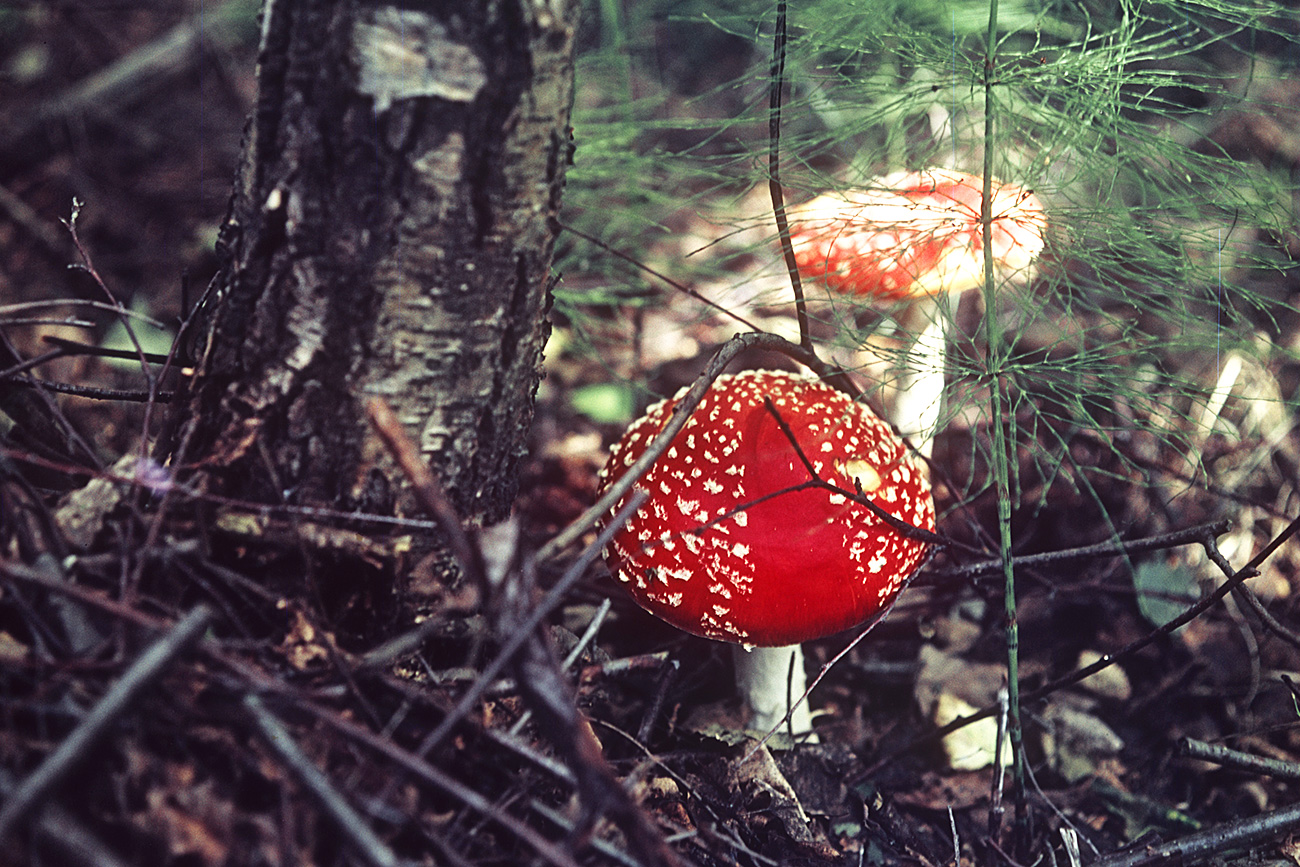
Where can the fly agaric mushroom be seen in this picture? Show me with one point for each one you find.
(738, 542)
(911, 236)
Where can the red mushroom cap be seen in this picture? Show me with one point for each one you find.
(914, 234)
(724, 550)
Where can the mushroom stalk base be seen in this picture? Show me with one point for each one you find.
(765, 677)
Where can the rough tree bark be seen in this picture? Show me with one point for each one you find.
(390, 234)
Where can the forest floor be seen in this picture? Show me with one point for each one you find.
(191, 771)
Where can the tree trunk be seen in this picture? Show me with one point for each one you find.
(390, 234)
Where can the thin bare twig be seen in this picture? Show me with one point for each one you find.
(550, 697)
(96, 393)
(1203, 845)
(1247, 596)
(588, 636)
(544, 607)
(42, 424)
(70, 321)
(898, 525)
(63, 759)
(255, 679)
(12, 371)
(88, 265)
(25, 306)
(776, 85)
(717, 827)
(420, 769)
(667, 676)
(460, 541)
(61, 831)
(1230, 758)
(72, 347)
(1158, 542)
(281, 742)
(679, 286)
(560, 820)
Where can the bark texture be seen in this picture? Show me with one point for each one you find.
(390, 234)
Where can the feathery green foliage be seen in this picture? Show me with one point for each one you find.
(1167, 250)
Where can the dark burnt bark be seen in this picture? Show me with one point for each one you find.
(390, 234)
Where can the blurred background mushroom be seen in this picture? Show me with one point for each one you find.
(917, 236)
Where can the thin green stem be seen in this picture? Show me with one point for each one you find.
(999, 453)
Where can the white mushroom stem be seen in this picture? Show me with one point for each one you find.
(765, 677)
(920, 384)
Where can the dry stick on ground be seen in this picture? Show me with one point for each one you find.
(712, 829)
(462, 543)
(1235, 578)
(152, 379)
(56, 766)
(1238, 760)
(38, 418)
(88, 265)
(579, 648)
(32, 415)
(544, 607)
(404, 760)
(252, 678)
(58, 829)
(1247, 596)
(422, 770)
(536, 672)
(559, 820)
(1212, 842)
(70, 321)
(551, 699)
(63, 348)
(35, 361)
(281, 742)
(667, 677)
(72, 347)
(255, 679)
(95, 393)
